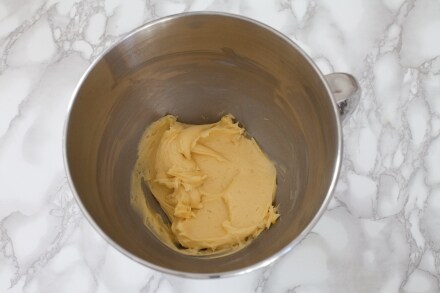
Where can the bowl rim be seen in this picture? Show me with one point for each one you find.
(237, 272)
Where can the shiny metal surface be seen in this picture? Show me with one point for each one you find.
(346, 93)
(200, 66)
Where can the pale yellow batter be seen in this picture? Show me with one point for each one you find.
(215, 185)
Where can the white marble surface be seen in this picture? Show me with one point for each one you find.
(381, 232)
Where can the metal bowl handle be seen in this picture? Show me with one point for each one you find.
(346, 92)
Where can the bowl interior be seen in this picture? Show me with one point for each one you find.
(200, 67)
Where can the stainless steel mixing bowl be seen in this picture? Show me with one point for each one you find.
(200, 66)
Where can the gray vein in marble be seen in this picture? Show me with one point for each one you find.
(16, 34)
(65, 208)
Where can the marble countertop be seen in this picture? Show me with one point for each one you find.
(381, 232)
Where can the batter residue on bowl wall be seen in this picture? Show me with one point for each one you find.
(214, 184)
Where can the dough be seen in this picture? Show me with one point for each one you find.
(214, 184)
